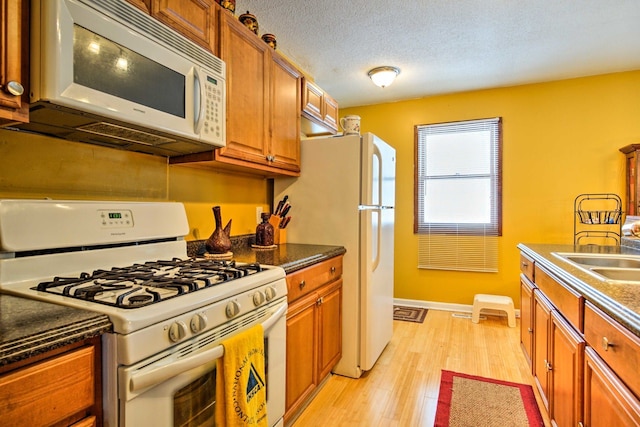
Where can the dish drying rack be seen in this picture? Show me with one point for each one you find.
(597, 215)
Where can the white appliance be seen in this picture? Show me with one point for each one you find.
(346, 196)
(104, 72)
(170, 313)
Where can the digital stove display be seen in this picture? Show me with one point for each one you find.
(140, 285)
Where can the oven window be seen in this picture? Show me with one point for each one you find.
(194, 404)
(108, 67)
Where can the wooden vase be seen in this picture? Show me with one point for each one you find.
(219, 242)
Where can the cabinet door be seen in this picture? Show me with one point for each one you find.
(607, 401)
(14, 61)
(541, 330)
(38, 394)
(330, 112)
(194, 19)
(566, 358)
(312, 101)
(143, 5)
(285, 115)
(249, 63)
(330, 328)
(302, 344)
(526, 318)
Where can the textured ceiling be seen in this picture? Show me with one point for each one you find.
(445, 46)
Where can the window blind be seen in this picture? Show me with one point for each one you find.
(458, 194)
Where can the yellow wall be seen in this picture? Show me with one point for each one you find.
(35, 166)
(560, 139)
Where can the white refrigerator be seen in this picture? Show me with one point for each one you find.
(346, 196)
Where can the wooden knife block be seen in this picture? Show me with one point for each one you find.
(279, 234)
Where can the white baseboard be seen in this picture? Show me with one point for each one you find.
(443, 306)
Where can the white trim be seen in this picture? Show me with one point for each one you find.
(443, 306)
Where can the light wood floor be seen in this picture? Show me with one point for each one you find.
(402, 388)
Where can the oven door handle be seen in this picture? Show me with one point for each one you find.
(162, 373)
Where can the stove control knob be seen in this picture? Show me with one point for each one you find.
(270, 292)
(177, 331)
(258, 298)
(233, 308)
(198, 322)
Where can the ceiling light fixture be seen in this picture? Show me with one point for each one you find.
(383, 76)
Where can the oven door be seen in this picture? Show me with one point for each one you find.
(177, 387)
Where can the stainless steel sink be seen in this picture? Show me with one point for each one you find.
(620, 268)
(619, 261)
(619, 274)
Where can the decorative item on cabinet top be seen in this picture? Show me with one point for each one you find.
(270, 39)
(230, 5)
(250, 21)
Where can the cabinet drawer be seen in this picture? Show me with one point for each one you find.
(306, 280)
(618, 347)
(568, 302)
(39, 394)
(526, 266)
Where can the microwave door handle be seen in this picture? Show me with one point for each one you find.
(162, 373)
(199, 87)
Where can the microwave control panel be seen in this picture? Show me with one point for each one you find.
(213, 128)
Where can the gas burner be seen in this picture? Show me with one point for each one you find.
(141, 284)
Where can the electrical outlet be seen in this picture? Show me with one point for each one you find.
(258, 214)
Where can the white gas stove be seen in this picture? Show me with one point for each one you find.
(129, 261)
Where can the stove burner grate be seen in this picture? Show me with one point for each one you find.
(146, 283)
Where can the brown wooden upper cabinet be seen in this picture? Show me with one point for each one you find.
(632, 197)
(263, 107)
(319, 110)
(14, 65)
(194, 19)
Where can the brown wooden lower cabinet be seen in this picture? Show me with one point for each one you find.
(63, 389)
(314, 331)
(607, 401)
(566, 352)
(526, 326)
(584, 363)
(557, 362)
(540, 357)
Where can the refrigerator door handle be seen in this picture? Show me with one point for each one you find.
(378, 239)
(377, 156)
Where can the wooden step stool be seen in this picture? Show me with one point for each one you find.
(495, 302)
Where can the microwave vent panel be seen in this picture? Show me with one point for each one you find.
(123, 133)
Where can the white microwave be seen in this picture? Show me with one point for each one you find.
(104, 72)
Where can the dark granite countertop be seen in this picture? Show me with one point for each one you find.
(29, 327)
(621, 301)
(290, 256)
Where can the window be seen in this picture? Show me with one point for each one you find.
(458, 185)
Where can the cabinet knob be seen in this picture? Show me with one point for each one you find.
(302, 284)
(14, 88)
(319, 301)
(333, 270)
(525, 264)
(606, 344)
(547, 365)
(530, 330)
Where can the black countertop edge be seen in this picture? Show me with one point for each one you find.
(30, 327)
(619, 300)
